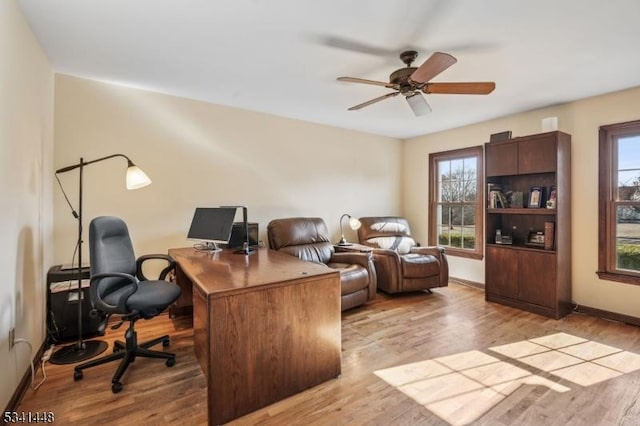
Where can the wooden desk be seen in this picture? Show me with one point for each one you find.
(266, 326)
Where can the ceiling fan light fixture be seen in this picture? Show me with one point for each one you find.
(418, 104)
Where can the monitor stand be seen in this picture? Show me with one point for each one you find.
(246, 249)
(208, 246)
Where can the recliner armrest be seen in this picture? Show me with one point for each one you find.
(433, 251)
(357, 258)
(163, 273)
(364, 259)
(386, 252)
(438, 253)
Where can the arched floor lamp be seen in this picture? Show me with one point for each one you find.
(82, 350)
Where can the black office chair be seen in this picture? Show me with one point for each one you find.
(119, 287)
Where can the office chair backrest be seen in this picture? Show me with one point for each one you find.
(110, 250)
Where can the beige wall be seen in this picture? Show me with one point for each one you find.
(581, 119)
(198, 154)
(26, 157)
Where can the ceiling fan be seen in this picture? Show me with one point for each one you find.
(410, 81)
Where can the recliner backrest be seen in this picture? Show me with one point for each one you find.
(304, 237)
(388, 232)
(110, 250)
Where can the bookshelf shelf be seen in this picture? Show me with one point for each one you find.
(509, 210)
(520, 247)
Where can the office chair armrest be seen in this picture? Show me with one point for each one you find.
(163, 273)
(122, 300)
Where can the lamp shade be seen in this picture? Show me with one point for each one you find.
(418, 104)
(136, 178)
(354, 223)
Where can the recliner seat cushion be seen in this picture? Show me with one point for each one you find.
(419, 265)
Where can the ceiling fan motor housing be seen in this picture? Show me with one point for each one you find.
(400, 78)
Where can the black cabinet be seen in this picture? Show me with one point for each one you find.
(63, 308)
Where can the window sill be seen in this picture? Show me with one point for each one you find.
(619, 277)
(449, 251)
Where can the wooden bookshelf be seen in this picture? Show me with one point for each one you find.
(530, 278)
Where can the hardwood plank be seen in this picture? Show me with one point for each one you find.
(386, 333)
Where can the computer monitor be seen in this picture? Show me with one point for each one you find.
(212, 225)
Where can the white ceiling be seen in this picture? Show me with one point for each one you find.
(283, 56)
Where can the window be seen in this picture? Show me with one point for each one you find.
(455, 201)
(619, 203)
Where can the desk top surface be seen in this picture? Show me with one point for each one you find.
(226, 271)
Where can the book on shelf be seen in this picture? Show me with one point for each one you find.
(496, 198)
(549, 235)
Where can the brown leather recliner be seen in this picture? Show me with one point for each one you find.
(401, 265)
(308, 239)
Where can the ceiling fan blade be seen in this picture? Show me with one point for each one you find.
(357, 46)
(475, 88)
(433, 66)
(373, 101)
(365, 81)
(418, 104)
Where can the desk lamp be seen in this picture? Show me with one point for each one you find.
(353, 224)
(246, 246)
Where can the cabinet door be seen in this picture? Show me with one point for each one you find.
(501, 159)
(537, 154)
(501, 272)
(537, 278)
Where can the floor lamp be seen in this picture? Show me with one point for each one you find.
(82, 350)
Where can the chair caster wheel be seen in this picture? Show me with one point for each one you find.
(170, 362)
(165, 343)
(116, 387)
(77, 375)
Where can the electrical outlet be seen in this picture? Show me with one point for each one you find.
(12, 337)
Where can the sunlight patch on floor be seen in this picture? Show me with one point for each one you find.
(460, 388)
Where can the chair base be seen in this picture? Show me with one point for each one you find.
(128, 351)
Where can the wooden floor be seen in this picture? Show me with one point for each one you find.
(389, 332)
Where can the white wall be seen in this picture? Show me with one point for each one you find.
(199, 154)
(26, 216)
(581, 119)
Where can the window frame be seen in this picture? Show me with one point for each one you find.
(456, 154)
(607, 204)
